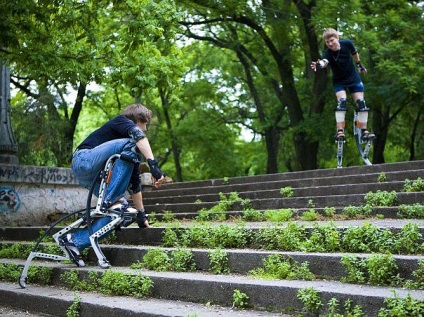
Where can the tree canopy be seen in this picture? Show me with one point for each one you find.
(212, 71)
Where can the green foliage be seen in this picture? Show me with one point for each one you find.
(402, 307)
(252, 215)
(323, 239)
(218, 259)
(15, 251)
(287, 191)
(240, 299)
(75, 309)
(294, 237)
(109, 283)
(382, 177)
(73, 280)
(156, 259)
(329, 211)
(280, 215)
(168, 216)
(353, 212)
(413, 186)
(277, 266)
(355, 269)
(418, 283)
(381, 198)
(36, 274)
(382, 269)
(411, 211)
(310, 299)
(121, 284)
(182, 260)
(377, 269)
(309, 215)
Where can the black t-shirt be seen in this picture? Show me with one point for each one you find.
(117, 128)
(341, 63)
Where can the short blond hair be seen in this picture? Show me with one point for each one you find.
(329, 33)
(138, 112)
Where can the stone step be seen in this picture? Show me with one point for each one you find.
(273, 201)
(242, 261)
(219, 289)
(254, 192)
(374, 170)
(55, 301)
(252, 184)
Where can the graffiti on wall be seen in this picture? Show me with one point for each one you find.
(9, 200)
(30, 174)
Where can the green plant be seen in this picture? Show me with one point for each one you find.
(75, 309)
(329, 211)
(278, 216)
(311, 203)
(381, 198)
(252, 215)
(73, 281)
(382, 177)
(156, 259)
(287, 191)
(240, 299)
(310, 299)
(168, 216)
(309, 215)
(182, 260)
(418, 283)
(411, 211)
(121, 284)
(355, 269)
(382, 269)
(402, 307)
(414, 186)
(14, 251)
(170, 237)
(226, 180)
(277, 266)
(356, 211)
(408, 240)
(322, 239)
(218, 259)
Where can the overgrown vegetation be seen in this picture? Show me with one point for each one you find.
(277, 266)
(109, 283)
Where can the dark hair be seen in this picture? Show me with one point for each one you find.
(138, 112)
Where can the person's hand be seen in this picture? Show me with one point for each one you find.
(155, 170)
(141, 219)
(314, 66)
(361, 67)
(158, 182)
(319, 64)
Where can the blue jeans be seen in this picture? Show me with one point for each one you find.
(81, 237)
(87, 163)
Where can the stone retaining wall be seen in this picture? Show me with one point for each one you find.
(36, 195)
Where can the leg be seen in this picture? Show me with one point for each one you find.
(362, 110)
(341, 113)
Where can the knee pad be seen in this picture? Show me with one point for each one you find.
(342, 105)
(361, 106)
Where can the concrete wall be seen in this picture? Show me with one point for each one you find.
(34, 195)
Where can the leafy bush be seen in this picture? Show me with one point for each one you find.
(276, 266)
(381, 198)
(414, 186)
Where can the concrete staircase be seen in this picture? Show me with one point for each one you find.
(202, 293)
